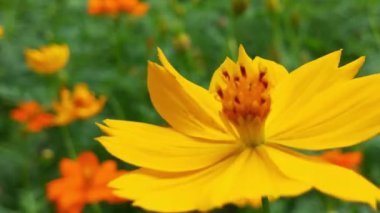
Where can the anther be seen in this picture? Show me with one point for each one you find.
(262, 100)
(265, 84)
(243, 71)
(261, 75)
(220, 92)
(226, 75)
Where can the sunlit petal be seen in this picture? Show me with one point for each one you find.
(239, 179)
(328, 178)
(161, 148)
(334, 118)
(187, 107)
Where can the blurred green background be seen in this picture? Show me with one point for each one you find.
(110, 53)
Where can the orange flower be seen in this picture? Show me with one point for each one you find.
(133, 7)
(95, 6)
(47, 59)
(111, 7)
(33, 116)
(350, 160)
(80, 104)
(83, 181)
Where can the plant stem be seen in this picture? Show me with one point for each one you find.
(68, 142)
(96, 208)
(265, 205)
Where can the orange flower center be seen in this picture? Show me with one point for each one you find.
(246, 103)
(80, 102)
(88, 177)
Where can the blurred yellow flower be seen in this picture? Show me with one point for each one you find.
(80, 104)
(1, 31)
(47, 59)
(273, 5)
(182, 42)
(234, 142)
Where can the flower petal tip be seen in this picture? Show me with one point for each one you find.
(104, 129)
(98, 139)
(241, 48)
(161, 55)
(242, 52)
(337, 54)
(152, 65)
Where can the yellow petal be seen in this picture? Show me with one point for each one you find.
(187, 107)
(328, 178)
(242, 178)
(157, 147)
(343, 115)
(276, 72)
(300, 86)
(350, 70)
(219, 77)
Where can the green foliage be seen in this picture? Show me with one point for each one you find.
(110, 53)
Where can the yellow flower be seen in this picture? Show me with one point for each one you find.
(1, 31)
(80, 104)
(233, 143)
(47, 59)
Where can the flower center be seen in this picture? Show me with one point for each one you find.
(246, 103)
(80, 102)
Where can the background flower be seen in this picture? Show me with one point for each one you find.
(79, 104)
(84, 181)
(112, 7)
(350, 160)
(47, 59)
(33, 116)
(1, 31)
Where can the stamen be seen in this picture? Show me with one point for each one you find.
(243, 72)
(220, 93)
(246, 103)
(261, 75)
(226, 75)
(237, 100)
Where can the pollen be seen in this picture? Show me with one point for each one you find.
(245, 101)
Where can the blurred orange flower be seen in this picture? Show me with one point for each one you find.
(350, 160)
(80, 104)
(1, 31)
(48, 59)
(33, 116)
(111, 7)
(83, 181)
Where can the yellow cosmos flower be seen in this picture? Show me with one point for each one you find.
(47, 59)
(1, 31)
(233, 143)
(80, 104)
